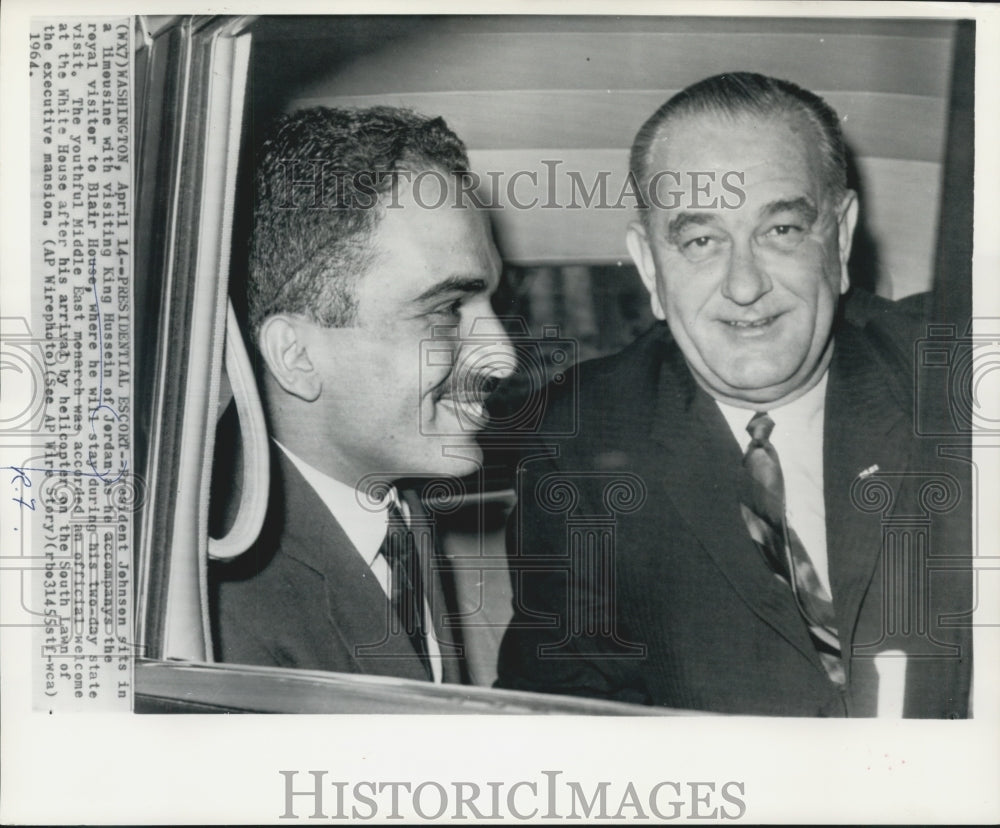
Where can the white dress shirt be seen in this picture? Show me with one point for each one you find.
(798, 439)
(366, 528)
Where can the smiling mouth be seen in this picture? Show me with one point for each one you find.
(751, 324)
(467, 408)
(466, 399)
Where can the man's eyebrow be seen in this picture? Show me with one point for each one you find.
(801, 205)
(684, 220)
(453, 285)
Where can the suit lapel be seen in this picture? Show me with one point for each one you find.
(694, 452)
(864, 426)
(357, 609)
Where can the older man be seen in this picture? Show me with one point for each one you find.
(369, 303)
(756, 464)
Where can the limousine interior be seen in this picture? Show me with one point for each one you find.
(525, 93)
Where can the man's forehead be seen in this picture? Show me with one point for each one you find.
(427, 186)
(421, 196)
(709, 161)
(418, 244)
(742, 142)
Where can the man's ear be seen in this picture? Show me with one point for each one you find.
(847, 221)
(283, 347)
(642, 254)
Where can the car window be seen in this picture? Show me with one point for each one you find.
(548, 108)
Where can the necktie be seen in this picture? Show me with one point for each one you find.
(781, 547)
(406, 594)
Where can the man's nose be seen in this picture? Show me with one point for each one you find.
(488, 355)
(745, 281)
(485, 357)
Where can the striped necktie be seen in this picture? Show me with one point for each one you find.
(406, 593)
(781, 547)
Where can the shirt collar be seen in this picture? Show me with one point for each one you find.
(365, 524)
(801, 414)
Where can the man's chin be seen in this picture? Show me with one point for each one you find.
(454, 457)
(750, 388)
(761, 392)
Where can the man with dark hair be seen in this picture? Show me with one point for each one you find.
(369, 304)
(761, 560)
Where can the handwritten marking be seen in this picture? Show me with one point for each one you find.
(19, 471)
(20, 475)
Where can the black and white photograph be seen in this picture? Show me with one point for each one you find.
(538, 413)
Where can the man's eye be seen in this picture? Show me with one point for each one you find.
(699, 247)
(785, 235)
(451, 309)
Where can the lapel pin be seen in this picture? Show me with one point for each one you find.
(868, 472)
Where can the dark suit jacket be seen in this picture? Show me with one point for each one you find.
(303, 597)
(635, 577)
